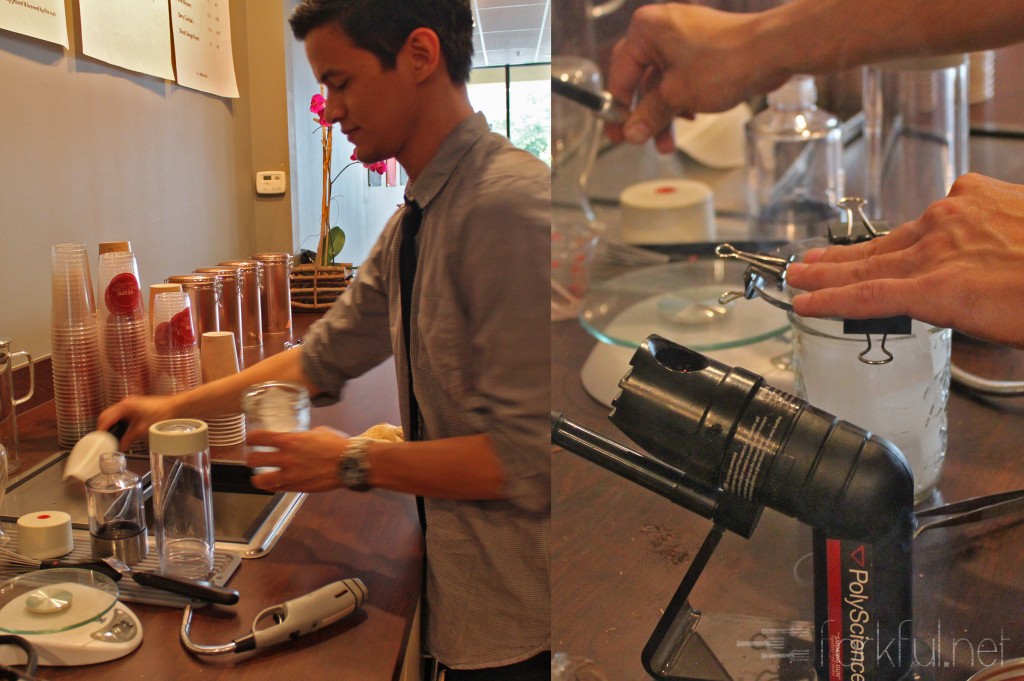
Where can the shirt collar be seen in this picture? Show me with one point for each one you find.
(434, 176)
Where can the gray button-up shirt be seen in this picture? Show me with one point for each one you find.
(480, 357)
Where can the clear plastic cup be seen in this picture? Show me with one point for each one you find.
(73, 300)
(74, 334)
(278, 406)
(175, 359)
(182, 497)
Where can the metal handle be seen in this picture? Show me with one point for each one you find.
(188, 587)
(31, 376)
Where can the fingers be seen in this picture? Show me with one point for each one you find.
(863, 300)
(903, 237)
(271, 481)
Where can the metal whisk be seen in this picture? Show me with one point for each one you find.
(15, 563)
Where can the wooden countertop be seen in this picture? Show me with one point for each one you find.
(374, 536)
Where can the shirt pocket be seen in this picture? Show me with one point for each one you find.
(443, 344)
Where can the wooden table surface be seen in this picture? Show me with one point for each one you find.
(374, 536)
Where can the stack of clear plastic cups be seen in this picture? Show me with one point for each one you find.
(219, 359)
(175, 359)
(124, 337)
(74, 337)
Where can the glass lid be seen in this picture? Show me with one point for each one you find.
(54, 601)
(679, 301)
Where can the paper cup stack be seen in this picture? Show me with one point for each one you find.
(220, 359)
(74, 336)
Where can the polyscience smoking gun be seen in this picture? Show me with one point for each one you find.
(724, 445)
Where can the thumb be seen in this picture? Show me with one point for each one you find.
(652, 117)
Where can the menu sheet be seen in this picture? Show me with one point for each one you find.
(131, 34)
(43, 19)
(202, 46)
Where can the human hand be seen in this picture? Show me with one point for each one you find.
(959, 265)
(140, 412)
(685, 60)
(306, 461)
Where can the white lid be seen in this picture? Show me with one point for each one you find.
(178, 437)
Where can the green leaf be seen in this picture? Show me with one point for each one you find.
(335, 241)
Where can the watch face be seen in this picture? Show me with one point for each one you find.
(354, 468)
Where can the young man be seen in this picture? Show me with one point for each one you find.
(469, 335)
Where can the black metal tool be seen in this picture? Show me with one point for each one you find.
(602, 104)
(193, 588)
(722, 443)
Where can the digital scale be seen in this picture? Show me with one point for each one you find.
(70, 617)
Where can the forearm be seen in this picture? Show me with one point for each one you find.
(819, 36)
(223, 396)
(452, 468)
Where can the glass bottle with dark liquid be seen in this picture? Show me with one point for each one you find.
(117, 521)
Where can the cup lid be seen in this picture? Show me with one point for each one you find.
(178, 437)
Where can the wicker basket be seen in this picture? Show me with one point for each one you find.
(315, 287)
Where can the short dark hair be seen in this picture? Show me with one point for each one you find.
(382, 26)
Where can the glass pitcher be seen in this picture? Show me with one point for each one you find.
(8, 422)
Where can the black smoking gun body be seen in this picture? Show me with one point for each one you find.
(724, 444)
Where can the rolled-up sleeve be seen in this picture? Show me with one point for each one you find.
(354, 335)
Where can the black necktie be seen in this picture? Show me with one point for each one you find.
(412, 217)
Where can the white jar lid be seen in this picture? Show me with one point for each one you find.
(178, 437)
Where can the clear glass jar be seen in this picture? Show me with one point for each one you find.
(903, 400)
(117, 519)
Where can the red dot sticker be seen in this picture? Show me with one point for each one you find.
(665, 190)
(43, 516)
(122, 295)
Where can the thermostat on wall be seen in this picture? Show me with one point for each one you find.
(270, 182)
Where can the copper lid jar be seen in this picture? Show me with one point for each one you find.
(204, 290)
(276, 293)
(229, 303)
(250, 277)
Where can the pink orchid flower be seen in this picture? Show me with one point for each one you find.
(318, 105)
(379, 167)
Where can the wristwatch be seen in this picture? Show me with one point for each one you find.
(354, 466)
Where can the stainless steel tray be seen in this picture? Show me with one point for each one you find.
(224, 565)
(247, 521)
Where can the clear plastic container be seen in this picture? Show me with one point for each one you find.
(916, 132)
(278, 406)
(182, 496)
(117, 519)
(794, 164)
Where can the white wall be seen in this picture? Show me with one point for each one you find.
(90, 152)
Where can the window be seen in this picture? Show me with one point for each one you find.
(517, 103)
